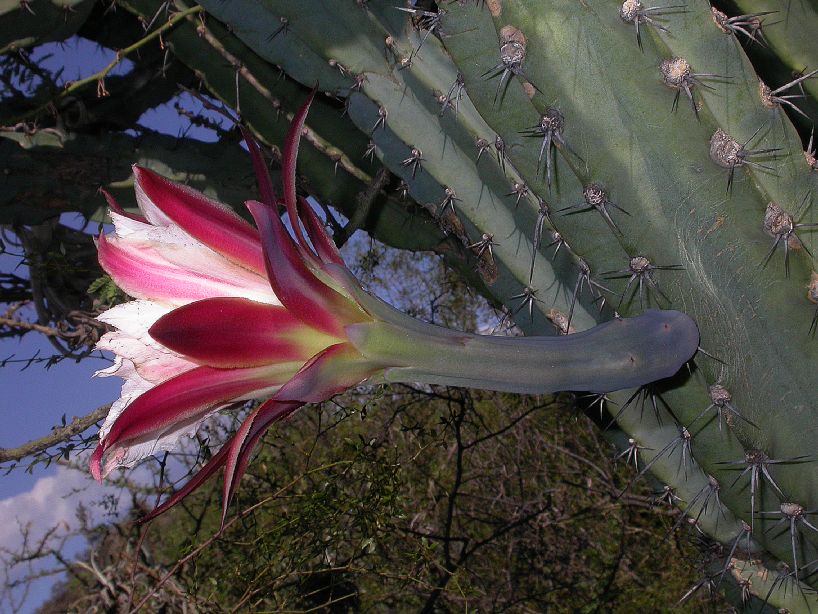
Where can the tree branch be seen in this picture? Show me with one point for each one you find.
(58, 435)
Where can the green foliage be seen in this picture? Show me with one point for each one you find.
(436, 501)
(107, 292)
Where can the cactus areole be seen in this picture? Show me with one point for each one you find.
(225, 312)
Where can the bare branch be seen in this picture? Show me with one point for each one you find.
(58, 435)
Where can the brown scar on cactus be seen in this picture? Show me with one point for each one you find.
(449, 223)
(728, 153)
(484, 251)
(677, 74)
(495, 7)
(485, 244)
(487, 268)
(512, 56)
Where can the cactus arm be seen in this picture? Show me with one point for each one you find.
(626, 148)
(424, 129)
(791, 34)
(735, 105)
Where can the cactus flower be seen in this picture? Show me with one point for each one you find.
(225, 313)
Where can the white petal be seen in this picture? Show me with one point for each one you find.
(176, 255)
(153, 362)
(135, 318)
(151, 211)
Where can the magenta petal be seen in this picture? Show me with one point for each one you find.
(142, 271)
(289, 163)
(326, 374)
(332, 371)
(206, 220)
(235, 332)
(318, 235)
(213, 465)
(189, 396)
(241, 445)
(298, 289)
(96, 460)
(117, 208)
(263, 180)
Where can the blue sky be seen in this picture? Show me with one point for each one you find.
(35, 398)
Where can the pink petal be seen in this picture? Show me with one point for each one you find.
(189, 396)
(236, 332)
(152, 362)
(207, 220)
(294, 283)
(96, 459)
(143, 271)
(328, 373)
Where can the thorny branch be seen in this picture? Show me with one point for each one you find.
(58, 435)
(99, 76)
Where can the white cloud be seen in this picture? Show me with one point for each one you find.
(51, 502)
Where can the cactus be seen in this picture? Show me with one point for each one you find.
(590, 171)
(589, 159)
